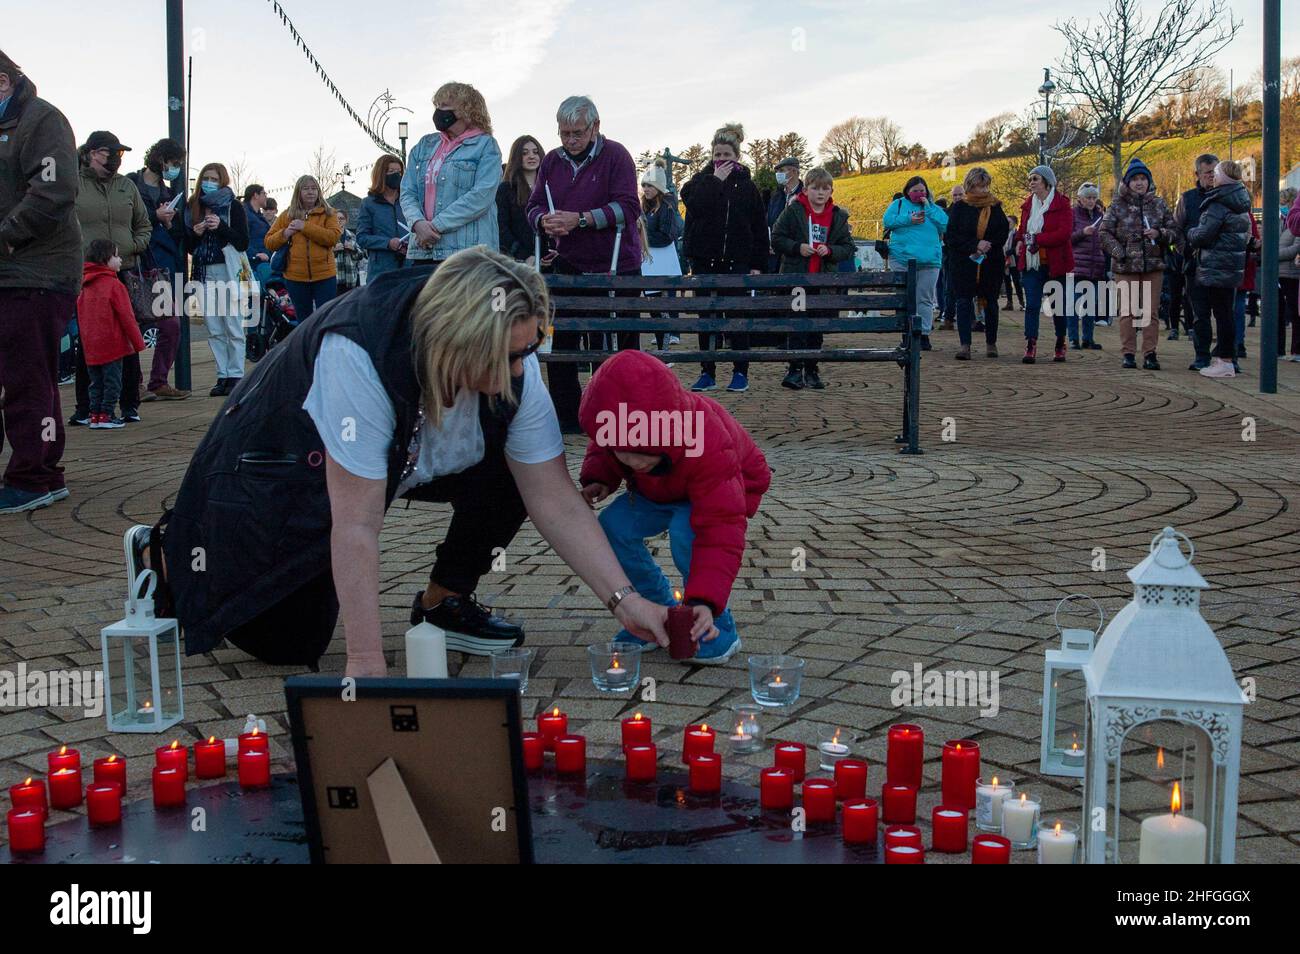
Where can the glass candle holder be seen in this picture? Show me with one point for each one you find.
(774, 680)
(1020, 820)
(832, 745)
(746, 733)
(1057, 842)
(615, 667)
(512, 664)
(989, 798)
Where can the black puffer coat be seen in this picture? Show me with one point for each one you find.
(1221, 237)
(725, 220)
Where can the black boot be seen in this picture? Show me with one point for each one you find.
(470, 626)
(793, 378)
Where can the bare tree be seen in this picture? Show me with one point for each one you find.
(239, 174)
(1120, 67)
(889, 137)
(850, 142)
(324, 168)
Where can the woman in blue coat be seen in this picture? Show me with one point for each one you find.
(381, 225)
(916, 226)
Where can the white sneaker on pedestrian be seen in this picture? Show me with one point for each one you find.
(1218, 368)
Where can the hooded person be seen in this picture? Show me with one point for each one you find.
(691, 469)
(1220, 241)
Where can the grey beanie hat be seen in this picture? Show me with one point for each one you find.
(1089, 191)
(1046, 172)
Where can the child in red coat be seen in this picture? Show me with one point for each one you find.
(108, 330)
(691, 469)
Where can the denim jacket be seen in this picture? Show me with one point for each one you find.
(466, 213)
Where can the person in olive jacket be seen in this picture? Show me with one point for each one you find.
(1089, 266)
(977, 232)
(725, 234)
(1135, 231)
(1221, 241)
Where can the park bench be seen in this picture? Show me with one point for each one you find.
(884, 302)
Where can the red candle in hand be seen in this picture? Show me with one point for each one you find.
(776, 789)
(850, 779)
(948, 825)
(899, 803)
(697, 740)
(819, 800)
(636, 730)
(168, 787)
(30, 795)
(254, 769)
(210, 758)
(641, 761)
(111, 771)
(903, 759)
(65, 788)
(904, 855)
(792, 756)
(104, 804)
(990, 850)
(26, 830)
(254, 741)
(551, 725)
(64, 758)
(961, 767)
(706, 774)
(571, 755)
(680, 621)
(533, 746)
(174, 756)
(860, 820)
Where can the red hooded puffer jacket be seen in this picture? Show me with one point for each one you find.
(105, 319)
(714, 463)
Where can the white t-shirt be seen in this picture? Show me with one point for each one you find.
(355, 419)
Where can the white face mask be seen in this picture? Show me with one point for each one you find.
(782, 178)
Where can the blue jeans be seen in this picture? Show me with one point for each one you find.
(628, 521)
(1072, 319)
(1034, 279)
(308, 296)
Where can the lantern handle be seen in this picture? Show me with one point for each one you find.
(1101, 614)
(1170, 533)
(141, 596)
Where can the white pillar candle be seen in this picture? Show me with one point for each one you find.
(988, 804)
(426, 652)
(1056, 846)
(1172, 840)
(1019, 816)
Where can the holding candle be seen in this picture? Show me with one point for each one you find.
(26, 831)
(860, 821)
(104, 804)
(636, 730)
(65, 788)
(961, 769)
(706, 774)
(819, 800)
(30, 796)
(111, 770)
(697, 740)
(899, 803)
(948, 829)
(792, 756)
(776, 789)
(571, 755)
(681, 620)
(210, 758)
(641, 761)
(551, 725)
(903, 758)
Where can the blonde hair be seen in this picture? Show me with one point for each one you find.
(975, 178)
(296, 209)
(468, 104)
(462, 319)
(818, 176)
(1231, 169)
(732, 134)
(645, 238)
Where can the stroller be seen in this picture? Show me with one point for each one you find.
(276, 320)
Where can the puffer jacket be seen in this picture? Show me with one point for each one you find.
(724, 480)
(112, 209)
(1089, 260)
(105, 319)
(1221, 237)
(311, 251)
(912, 241)
(726, 220)
(1122, 227)
(1054, 249)
(1288, 247)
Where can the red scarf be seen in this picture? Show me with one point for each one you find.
(819, 228)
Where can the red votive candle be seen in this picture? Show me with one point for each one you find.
(899, 802)
(706, 774)
(254, 768)
(642, 758)
(571, 755)
(168, 787)
(210, 758)
(109, 771)
(961, 767)
(254, 741)
(680, 620)
(948, 826)
(904, 855)
(850, 779)
(903, 758)
(990, 850)
(794, 757)
(104, 804)
(903, 835)
(697, 740)
(860, 821)
(636, 730)
(29, 795)
(533, 751)
(26, 830)
(64, 758)
(174, 756)
(819, 800)
(65, 788)
(552, 725)
(776, 789)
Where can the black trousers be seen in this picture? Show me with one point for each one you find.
(1221, 304)
(1179, 317)
(709, 341)
(1011, 279)
(1198, 296)
(1288, 295)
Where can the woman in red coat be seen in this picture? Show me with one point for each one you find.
(1044, 254)
(108, 329)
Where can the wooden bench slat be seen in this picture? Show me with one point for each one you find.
(775, 305)
(771, 325)
(754, 357)
(709, 282)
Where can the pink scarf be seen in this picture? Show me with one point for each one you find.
(446, 147)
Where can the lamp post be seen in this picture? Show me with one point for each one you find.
(402, 130)
(1045, 91)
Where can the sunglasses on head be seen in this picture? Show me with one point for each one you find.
(531, 349)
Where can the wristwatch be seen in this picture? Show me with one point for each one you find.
(619, 596)
(582, 220)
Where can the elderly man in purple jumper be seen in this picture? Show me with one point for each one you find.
(586, 199)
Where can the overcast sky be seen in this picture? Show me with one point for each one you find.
(662, 74)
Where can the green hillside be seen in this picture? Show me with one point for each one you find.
(867, 196)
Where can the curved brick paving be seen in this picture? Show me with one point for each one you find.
(953, 559)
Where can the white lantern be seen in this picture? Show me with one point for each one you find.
(1065, 698)
(142, 665)
(1159, 681)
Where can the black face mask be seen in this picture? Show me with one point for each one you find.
(113, 162)
(393, 180)
(444, 119)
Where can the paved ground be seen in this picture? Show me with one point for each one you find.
(954, 559)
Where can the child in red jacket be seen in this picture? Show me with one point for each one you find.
(691, 469)
(108, 330)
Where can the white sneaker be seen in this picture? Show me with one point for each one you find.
(1218, 368)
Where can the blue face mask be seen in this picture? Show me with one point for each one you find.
(209, 187)
(171, 172)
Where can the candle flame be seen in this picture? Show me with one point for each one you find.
(1074, 746)
(677, 595)
(1160, 758)
(148, 704)
(29, 780)
(211, 739)
(637, 717)
(112, 758)
(616, 665)
(778, 680)
(1057, 829)
(995, 781)
(555, 711)
(175, 743)
(64, 750)
(740, 728)
(836, 737)
(1022, 798)
(1176, 802)
(254, 732)
(958, 746)
(704, 727)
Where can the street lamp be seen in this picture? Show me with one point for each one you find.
(402, 130)
(1045, 91)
